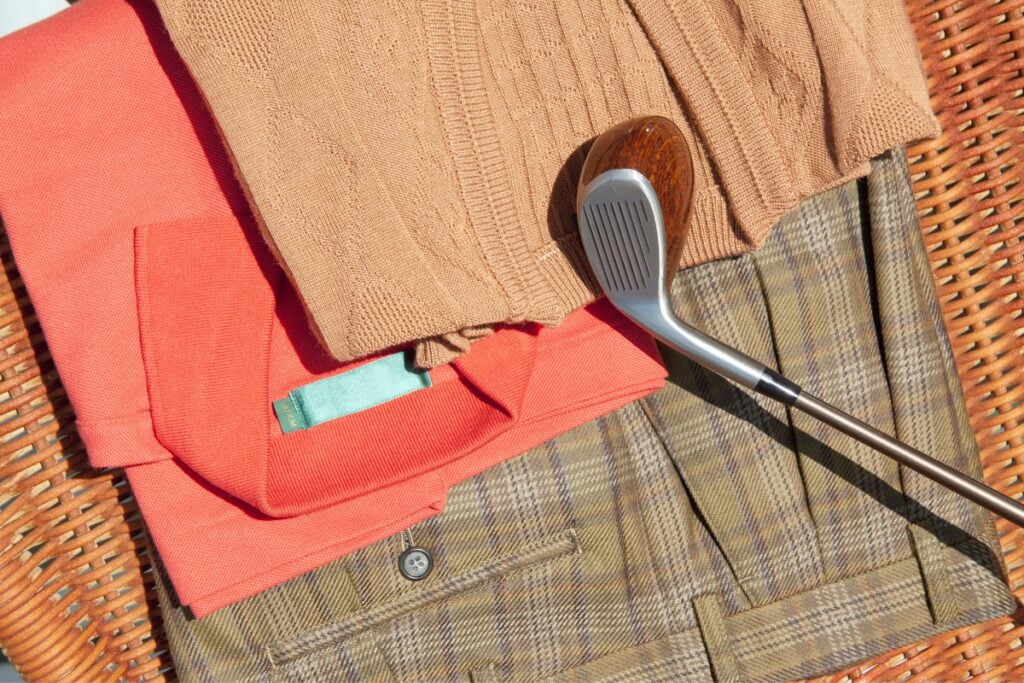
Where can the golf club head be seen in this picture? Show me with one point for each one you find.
(633, 207)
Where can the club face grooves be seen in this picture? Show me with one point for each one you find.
(622, 233)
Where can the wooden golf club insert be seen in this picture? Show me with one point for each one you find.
(655, 147)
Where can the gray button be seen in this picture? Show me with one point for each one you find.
(415, 563)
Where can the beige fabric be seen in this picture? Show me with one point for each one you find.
(414, 162)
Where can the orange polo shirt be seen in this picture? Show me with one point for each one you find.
(174, 330)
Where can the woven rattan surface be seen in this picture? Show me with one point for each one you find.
(76, 598)
(969, 189)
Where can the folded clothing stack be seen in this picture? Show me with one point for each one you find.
(256, 455)
(700, 532)
(175, 332)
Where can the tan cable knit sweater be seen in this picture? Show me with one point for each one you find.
(413, 162)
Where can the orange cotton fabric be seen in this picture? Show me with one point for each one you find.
(173, 329)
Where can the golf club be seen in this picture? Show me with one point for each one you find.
(633, 209)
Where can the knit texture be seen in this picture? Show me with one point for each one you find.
(414, 164)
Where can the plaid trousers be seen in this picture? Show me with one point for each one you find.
(703, 532)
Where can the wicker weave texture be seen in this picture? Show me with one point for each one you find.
(76, 598)
(969, 190)
(76, 594)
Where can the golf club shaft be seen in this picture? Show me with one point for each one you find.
(737, 366)
(983, 495)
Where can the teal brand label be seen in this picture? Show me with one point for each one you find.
(365, 387)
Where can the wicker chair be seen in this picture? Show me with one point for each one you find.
(76, 589)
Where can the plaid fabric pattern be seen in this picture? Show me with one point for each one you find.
(701, 532)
